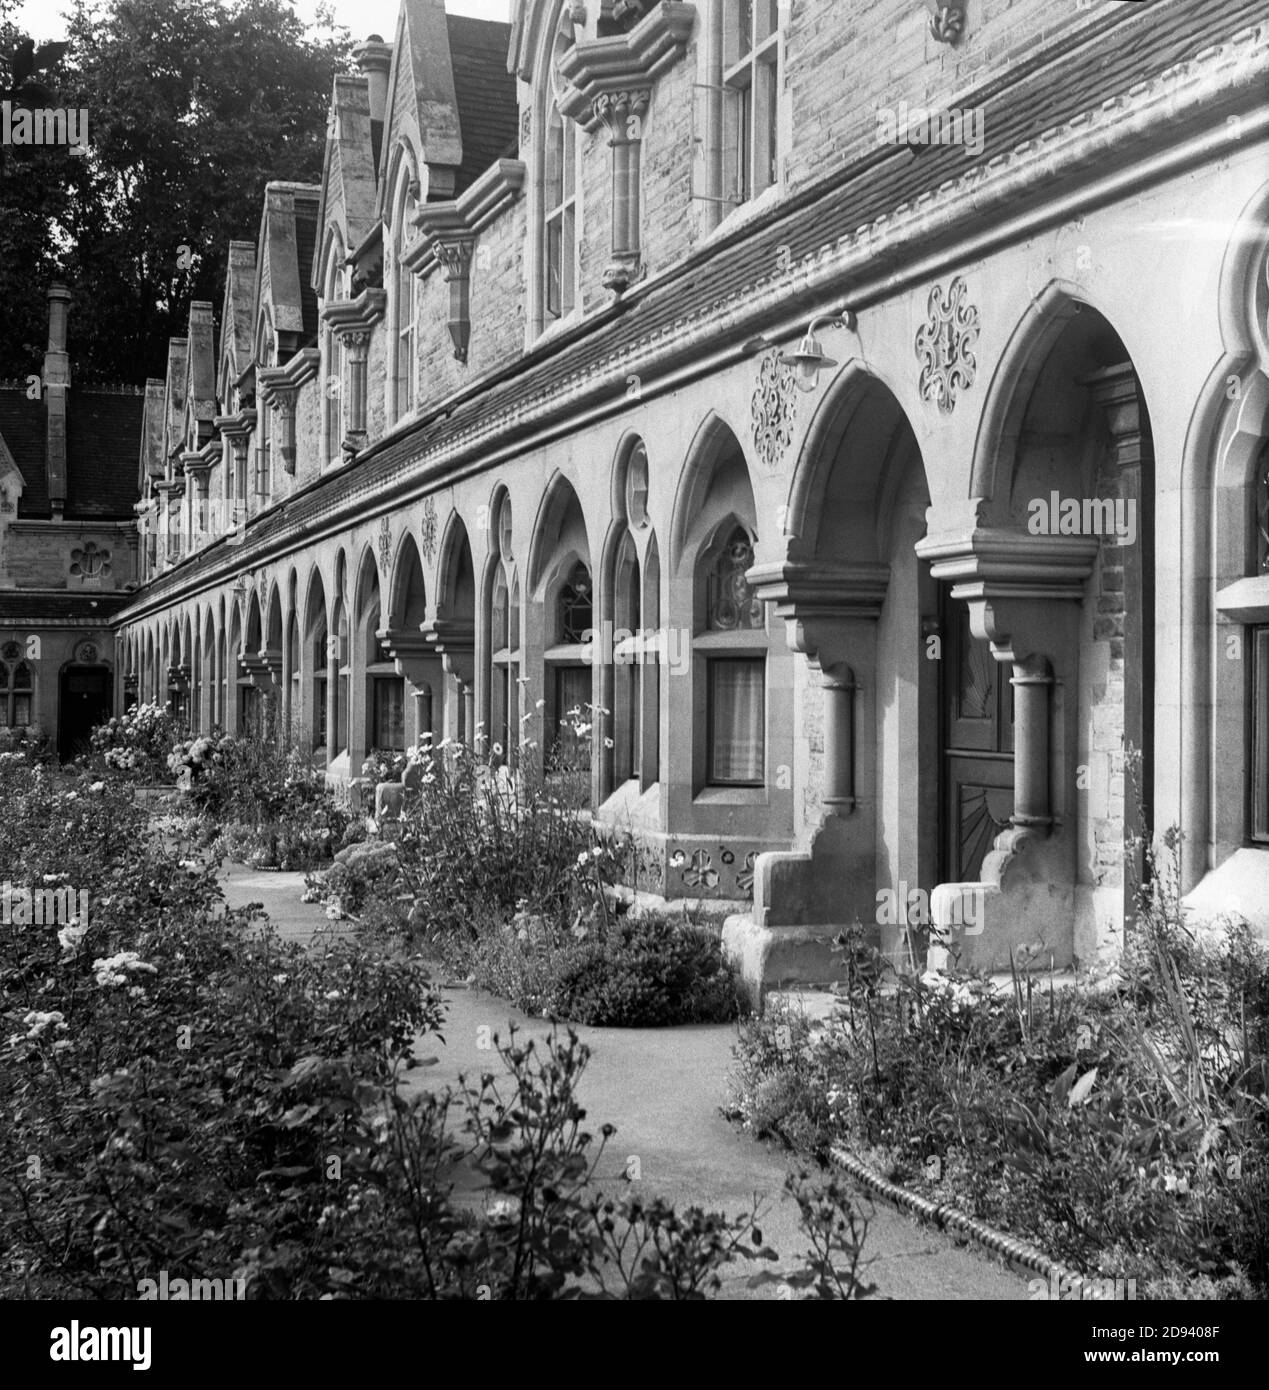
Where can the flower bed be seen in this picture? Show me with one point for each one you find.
(187, 1098)
(1122, 1126)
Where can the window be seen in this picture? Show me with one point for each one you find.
(505, 662)
(403, 294)
(751, 97)
(321, 656)
(559, 231)
(389, 713)
(1260, 734)
(571, 689)
(17, 695)
(333, 377)
(734, 645)
(736, 721)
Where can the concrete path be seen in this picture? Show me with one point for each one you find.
(662, 1088)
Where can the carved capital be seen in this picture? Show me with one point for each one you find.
(623, 112)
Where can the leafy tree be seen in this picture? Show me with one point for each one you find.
(192, 108)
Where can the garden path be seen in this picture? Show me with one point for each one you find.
(662, 1089)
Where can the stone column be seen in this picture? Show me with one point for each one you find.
(1032, 683)
(623, 113)
(358, 348)
(838, 798)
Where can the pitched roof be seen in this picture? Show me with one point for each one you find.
(486, 92)
(103, 437)
(1075, 75)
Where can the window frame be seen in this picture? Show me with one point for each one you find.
(744, 73)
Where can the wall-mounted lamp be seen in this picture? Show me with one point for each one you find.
(809, 359)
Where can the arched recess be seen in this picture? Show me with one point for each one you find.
(233, 668)
(404, 641)
(501, 655)
(727, 743)
(630, 637)
(377, 708)
(1224, 621)
(561, 654)
(1058, 580)
(210, 683)
(452, 632)
(403, 194)
(861, 610)
(315, 667)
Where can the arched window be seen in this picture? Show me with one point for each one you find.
(321, 658)
(557, 190)
(736, 663)
(387, 693)
(17, 694)
(405, 207)
(559, 218)
(333, 365)
(575, 606)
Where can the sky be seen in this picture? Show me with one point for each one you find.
(42, 19)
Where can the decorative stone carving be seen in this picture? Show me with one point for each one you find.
(947, 23)
(526, 127)
(429, 528)
(773, 408)
(90, 561)
(699, 872)
(385, 545)
(944, 346)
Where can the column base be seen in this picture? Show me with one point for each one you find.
(768, 958)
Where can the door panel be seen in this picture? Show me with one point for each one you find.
(978, 748)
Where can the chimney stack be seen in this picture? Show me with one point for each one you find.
(56, 384)
(374, 58)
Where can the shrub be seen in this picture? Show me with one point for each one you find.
(137, 745)
(1122, 1125)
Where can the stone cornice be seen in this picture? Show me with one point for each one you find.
(236, 428)
(803, 590)
(994, 563)
(276, 383)
(461, 219)
(357, 315)
(635, 59)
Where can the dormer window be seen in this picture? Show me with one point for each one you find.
(751, 85)
(560, 218)
(404, 209)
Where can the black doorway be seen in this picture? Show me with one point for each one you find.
(86, 697)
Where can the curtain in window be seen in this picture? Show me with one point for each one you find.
(737, 717)
(389, 731)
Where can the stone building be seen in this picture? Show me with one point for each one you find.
(68, 545)
(862, 407)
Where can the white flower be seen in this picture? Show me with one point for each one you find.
(61, 1044)
(97, 787)
(280, 979)
(582, 859)
(136, 992)
(70, 936)
(37, 1021)
(332, 994)
(111, 970)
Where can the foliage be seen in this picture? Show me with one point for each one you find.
(1122, 1125)
(191, 110)
(263, 800)
(183, 1093)
(138, 745)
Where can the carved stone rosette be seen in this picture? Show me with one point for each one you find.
(773, 409)
(944, 346)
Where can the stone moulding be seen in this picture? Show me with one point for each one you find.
(448, 240)
(355, 315)
(637, 58)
